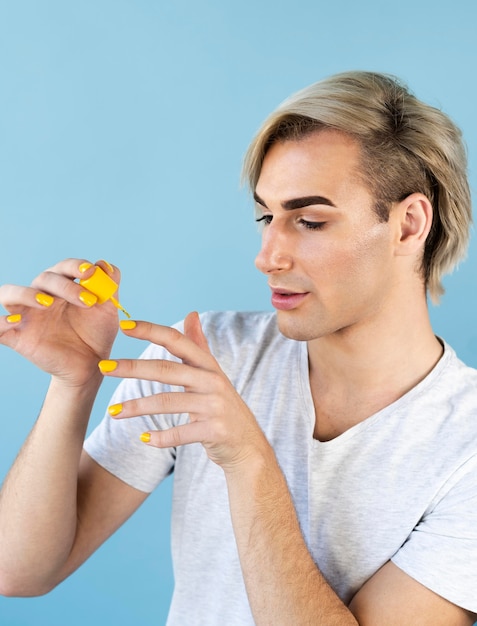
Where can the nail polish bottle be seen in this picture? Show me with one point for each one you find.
(103, 287)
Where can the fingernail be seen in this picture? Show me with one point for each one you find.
(107, 366)
(12, 319)
(115, 409)
(84, 266)
(44, 299)
(127, 324)
(109, 267)
(146, 437)
(88, 298)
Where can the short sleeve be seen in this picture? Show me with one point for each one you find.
(441, 552)
(115, 443)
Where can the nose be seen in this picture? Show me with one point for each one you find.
(273, 256)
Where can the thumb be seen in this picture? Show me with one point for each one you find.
(193, 330)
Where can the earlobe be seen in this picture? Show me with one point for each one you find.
(415, 214)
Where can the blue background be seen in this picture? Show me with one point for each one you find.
(122, 129)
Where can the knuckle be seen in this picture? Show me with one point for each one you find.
(218, 381)
(175, 436)
(166, 367)
(174, 335)
(5, 290)
(42, 277)
(217, 431)
(135, 366)
(170, 438)
(216, 405)
(167, 401)
(146, 329)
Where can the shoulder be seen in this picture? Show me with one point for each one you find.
(455, 364)
(456, 385)
(445, 412)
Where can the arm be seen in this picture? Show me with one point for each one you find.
(284, 584)
(57, 505)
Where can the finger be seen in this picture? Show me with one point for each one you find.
(15, 298)
(164, 371)
(167, 403)
(111, 270)
(174, 437)
(60, 276)
(193, 330)
(83, 268)
(71, 268)
(172, 340)
(8, 325)
(62, 286)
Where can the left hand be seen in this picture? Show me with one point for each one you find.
(219, 418)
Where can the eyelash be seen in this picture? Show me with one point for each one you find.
(266, 219)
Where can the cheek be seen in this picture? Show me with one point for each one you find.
(371, 257)
(359, 254)
(376, 245)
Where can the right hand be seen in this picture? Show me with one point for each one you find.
(68, 337)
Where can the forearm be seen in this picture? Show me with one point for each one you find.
(38, 511)
(283, 583)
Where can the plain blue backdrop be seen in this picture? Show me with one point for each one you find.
(122, 129)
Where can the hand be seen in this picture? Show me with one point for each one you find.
(60, 328)
(219, 418)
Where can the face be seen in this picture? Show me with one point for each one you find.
(328, 258)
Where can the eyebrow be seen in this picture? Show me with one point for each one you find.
(298, 203)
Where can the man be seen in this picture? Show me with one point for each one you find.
(324, 457)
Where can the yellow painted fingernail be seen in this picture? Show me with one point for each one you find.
(44, 299)
(12, 319)
(109, 267)
(88, 298)
(127, 324)
(107, 366)
(115, 409)
(146, 437)
(84, 266)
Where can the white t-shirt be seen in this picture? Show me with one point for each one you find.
(400, 486)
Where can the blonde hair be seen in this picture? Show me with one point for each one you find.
(406, 145)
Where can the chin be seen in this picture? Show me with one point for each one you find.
(306, 328)
(298, 332)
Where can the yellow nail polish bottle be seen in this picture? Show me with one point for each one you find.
(103, 287)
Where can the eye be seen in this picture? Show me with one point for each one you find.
(263, 221)
(264, 218)
(312, 225)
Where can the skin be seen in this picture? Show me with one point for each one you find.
(357, 272)
(364, 317)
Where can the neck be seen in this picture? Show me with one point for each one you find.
(361, 369)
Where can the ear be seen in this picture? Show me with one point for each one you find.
(415, 220)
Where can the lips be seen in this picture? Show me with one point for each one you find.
(285, 300)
